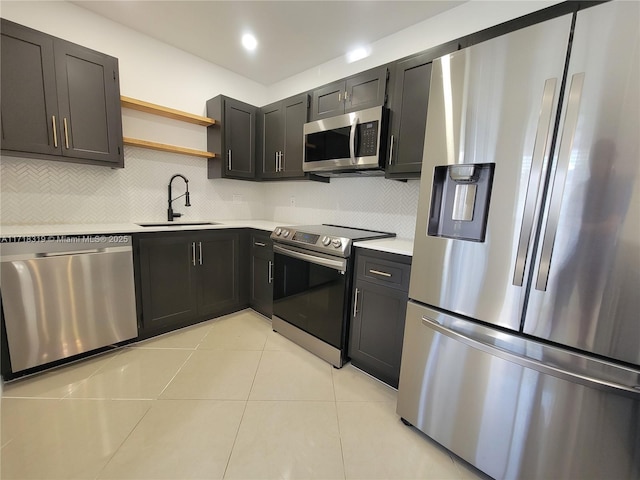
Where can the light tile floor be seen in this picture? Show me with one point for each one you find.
(228, 398)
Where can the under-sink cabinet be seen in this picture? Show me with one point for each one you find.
(261, 272)
(184, 278)
(380, 296)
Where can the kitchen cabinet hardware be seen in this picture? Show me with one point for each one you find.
(55, 133)
(163, 147)
(270, 272)
(229, 157)
(66, 133)
(378, 272)
(391, 149)
(200, 252)
(159, 110)
(193, 253)
(355, 303)
(260, 244)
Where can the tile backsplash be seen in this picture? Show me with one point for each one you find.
(45, 192)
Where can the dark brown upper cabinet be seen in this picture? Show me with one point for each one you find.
(232, 139)
(358, 92)
(60, 101)
(280, 138)
(409, 117)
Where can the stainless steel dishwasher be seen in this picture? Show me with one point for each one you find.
(64, 296)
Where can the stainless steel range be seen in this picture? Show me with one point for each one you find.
(312, 278)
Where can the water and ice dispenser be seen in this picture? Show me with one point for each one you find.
(460, 201)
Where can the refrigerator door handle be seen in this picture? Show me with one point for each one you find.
(535, 174)
(560, 176)
(527, 362)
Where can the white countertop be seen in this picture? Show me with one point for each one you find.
(112, 228)
(401, 246)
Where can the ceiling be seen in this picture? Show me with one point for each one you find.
(293, 36)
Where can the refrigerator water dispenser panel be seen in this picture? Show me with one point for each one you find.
(460, 201)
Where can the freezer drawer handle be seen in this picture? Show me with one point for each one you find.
(582, 379)
(537, 161)
(564, 155)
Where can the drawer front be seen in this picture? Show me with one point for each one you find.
(383, 271)
(261, 242)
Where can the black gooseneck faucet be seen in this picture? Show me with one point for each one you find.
(170, 214)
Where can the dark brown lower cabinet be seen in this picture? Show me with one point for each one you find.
(187, 277)
(261, 289)
(380, 297)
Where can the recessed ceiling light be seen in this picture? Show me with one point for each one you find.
(249, 42)
(358, 54)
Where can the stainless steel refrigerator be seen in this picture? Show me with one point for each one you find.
(522, 341)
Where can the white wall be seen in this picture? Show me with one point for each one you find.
(37, 191)
(465, 19)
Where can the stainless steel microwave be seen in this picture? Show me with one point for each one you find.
(346, 143)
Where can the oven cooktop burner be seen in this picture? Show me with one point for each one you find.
(331, 239)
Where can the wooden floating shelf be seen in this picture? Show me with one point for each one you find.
(163, 147)
(134, 104)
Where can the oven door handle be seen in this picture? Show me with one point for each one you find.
(335, 263)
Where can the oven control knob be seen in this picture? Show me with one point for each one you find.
(326, 241)
(278, 231)
(285, 233)
(336, 242)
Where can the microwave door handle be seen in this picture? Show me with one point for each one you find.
(352, 139)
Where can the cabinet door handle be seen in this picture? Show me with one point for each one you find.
(382, 274)
(270, 271)
(66, 133)
(391, 151)
(200, 252)
(355, 304)
(339, 97)
(193, 253)
(346, 96)
(259, 244)
(55, 131)
(281, 157)
(229, 157)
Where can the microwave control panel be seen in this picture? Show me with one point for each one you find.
(368, 139)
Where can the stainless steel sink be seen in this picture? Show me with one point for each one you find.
(176, 224)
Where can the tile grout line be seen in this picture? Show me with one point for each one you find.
(125, 438)
(246, 404)
(335, 403)
(175, 374)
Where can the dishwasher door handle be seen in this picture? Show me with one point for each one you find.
(76, 252)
